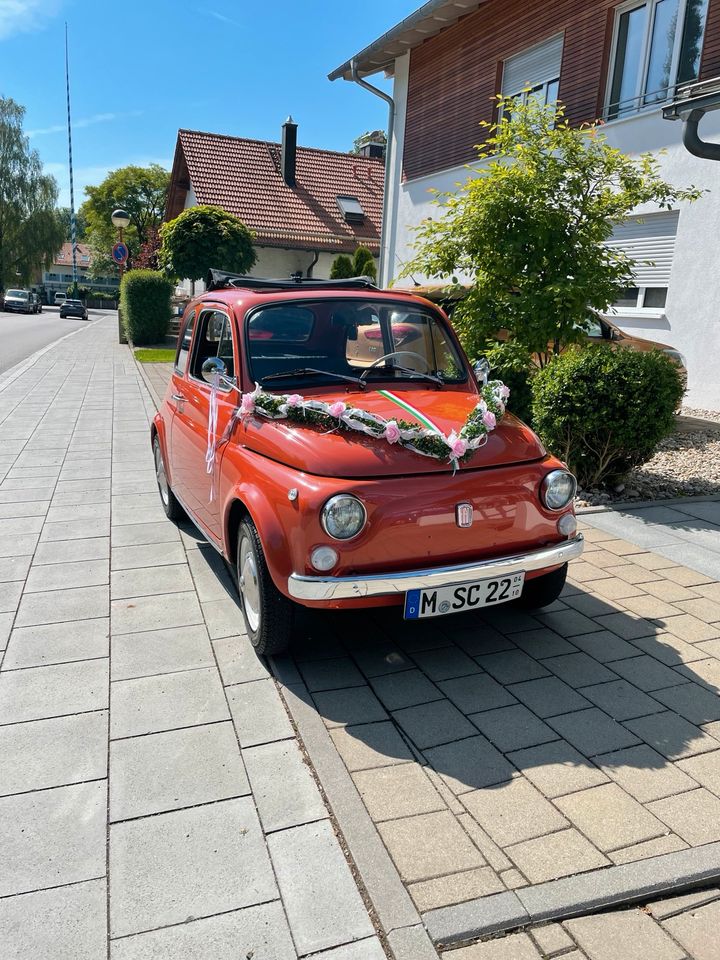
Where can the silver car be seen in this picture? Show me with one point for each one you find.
(19, 301)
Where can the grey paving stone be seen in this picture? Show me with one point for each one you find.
(445, 663)
(579, 670)
(429, 845)
(366, 745)
(137, 534)
(644, 774)
(626, 625)
(258, 713)
(14, 568)
(72, 551)
(188, 863)
(548, 696)
(692, 701)
(696, 930)
(18, 546)
(551, 939)
(669, 649)
(53, 691)
(321, 899)
(298, 801)
(705, 769)
(592, 732)
(623, 935)
(621, 700)
(238, 661)
(166, 702)
(512, 728)
(259, 932)
(352, 705)
(52, 837)
(67, 923)
(75, 530)
(455, 888)
(543, 643)
(26, 508)
(6, 622)
(10, 596)
(513, 811)
(693, 816)
(480, 917)
(331, 674)
(557, 768)
(430, 724)
(672, 736)
(397, 791)
(149, 581)
(361, 950)
(223, 617)
(78, 511)
(556, 855)
(210, 574)
(146, 555)
(378, 659)
(155, 613)
(160, 651)
(477, 692)
(179, 768)
(512, 946)
(647, 850)
(58, 643)
(605, 646)
(647, 673)
(512, 666)
(469, 764)
(55, 606)
(51, 753)
(10, 529)
(609, 817)
(671, 906)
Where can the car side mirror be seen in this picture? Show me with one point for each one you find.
(481, 368)
(212, 369)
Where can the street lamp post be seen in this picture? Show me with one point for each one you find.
(120, 219)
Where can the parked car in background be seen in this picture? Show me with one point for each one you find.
(73, 308)
(338, 483)
(37, 303)
(60, 298)
(18, 301)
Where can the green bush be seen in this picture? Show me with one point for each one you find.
(364, 263)
(145, 305)
(604, 411)
(342, 267)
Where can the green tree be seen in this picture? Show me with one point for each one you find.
(80, 223)
(376, 135)
(342, 267)
(363, 263)
(530, 229)
(30, 230)
(203, 238)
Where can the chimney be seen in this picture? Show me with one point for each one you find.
(372, 144)
(288, 151)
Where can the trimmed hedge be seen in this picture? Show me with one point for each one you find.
(604, 411)
(145, 305)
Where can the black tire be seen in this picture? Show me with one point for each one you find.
(269, 616)
(170, 503)
(542, 591)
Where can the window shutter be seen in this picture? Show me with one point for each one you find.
(649, 238)
(531, 67)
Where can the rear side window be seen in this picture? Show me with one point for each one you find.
(183, 353)
(281, 324)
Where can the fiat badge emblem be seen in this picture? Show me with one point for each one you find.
(464, 514)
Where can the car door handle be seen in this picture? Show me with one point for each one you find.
(179, 397)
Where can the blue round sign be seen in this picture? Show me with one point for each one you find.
(120, 253)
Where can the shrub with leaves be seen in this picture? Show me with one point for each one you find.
(364, 263)
(203, 238)
(342, 267)
(145, 305)
(604, 411)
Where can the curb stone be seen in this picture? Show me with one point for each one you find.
(635, 504)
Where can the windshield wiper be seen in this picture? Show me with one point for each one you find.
(413, 373)
(303, 371)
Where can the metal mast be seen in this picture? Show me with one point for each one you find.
(73, 229)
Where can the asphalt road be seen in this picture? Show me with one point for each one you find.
(21, 335)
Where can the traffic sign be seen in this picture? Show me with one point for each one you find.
(120, 253)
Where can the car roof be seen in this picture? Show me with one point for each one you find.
(244, 299)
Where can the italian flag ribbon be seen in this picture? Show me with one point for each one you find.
(413, 411)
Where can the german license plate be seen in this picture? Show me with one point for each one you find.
(465, 596)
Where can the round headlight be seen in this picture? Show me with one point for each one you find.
(557, 490)
(343, 517)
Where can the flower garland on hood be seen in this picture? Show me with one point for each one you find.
(457, 446)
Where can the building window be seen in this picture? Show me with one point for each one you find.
(650, 242)
(656, 46)
(534, 72)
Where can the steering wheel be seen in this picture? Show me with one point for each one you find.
(396, 353)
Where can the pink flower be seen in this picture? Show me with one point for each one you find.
(458, 446)
(337, 409)
(489, 419)
(247, 404)
(392, 432)
(504, 392)
(294, 400)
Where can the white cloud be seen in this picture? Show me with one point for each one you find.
(218, 16)
(83, 122)
(23, 16)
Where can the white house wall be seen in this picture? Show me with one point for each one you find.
(690, 321)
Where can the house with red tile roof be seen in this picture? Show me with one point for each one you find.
(304, 205)
(57, 276)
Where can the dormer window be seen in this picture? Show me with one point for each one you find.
(351, 209)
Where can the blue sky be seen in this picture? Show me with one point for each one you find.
(228, 66)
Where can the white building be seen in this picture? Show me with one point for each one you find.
(619, 62)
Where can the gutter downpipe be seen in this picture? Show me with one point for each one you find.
(388, 168)
(691, 138)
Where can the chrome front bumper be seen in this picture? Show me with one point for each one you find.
(302, 587)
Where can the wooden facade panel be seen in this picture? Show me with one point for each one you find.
(455, 75)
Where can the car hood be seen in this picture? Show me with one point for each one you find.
(351, 454)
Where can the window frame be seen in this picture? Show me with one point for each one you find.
(204, 309)
(612, 111)
(640, 309)
(191, 317)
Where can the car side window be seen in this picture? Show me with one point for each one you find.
(184, 345)
(214, 339)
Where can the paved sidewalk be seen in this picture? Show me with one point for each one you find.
(151, 787)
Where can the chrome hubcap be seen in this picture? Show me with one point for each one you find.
(249, 587)
(161, 476)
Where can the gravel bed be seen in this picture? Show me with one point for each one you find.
(686, 464)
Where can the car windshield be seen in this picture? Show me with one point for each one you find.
(319, 341)
(18, 294)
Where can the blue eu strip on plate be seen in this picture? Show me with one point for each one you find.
(412, 604)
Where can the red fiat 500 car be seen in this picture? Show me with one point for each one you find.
(332, 441)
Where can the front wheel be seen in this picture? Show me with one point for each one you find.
(170, 503)
(268, 614)
(544, 590)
